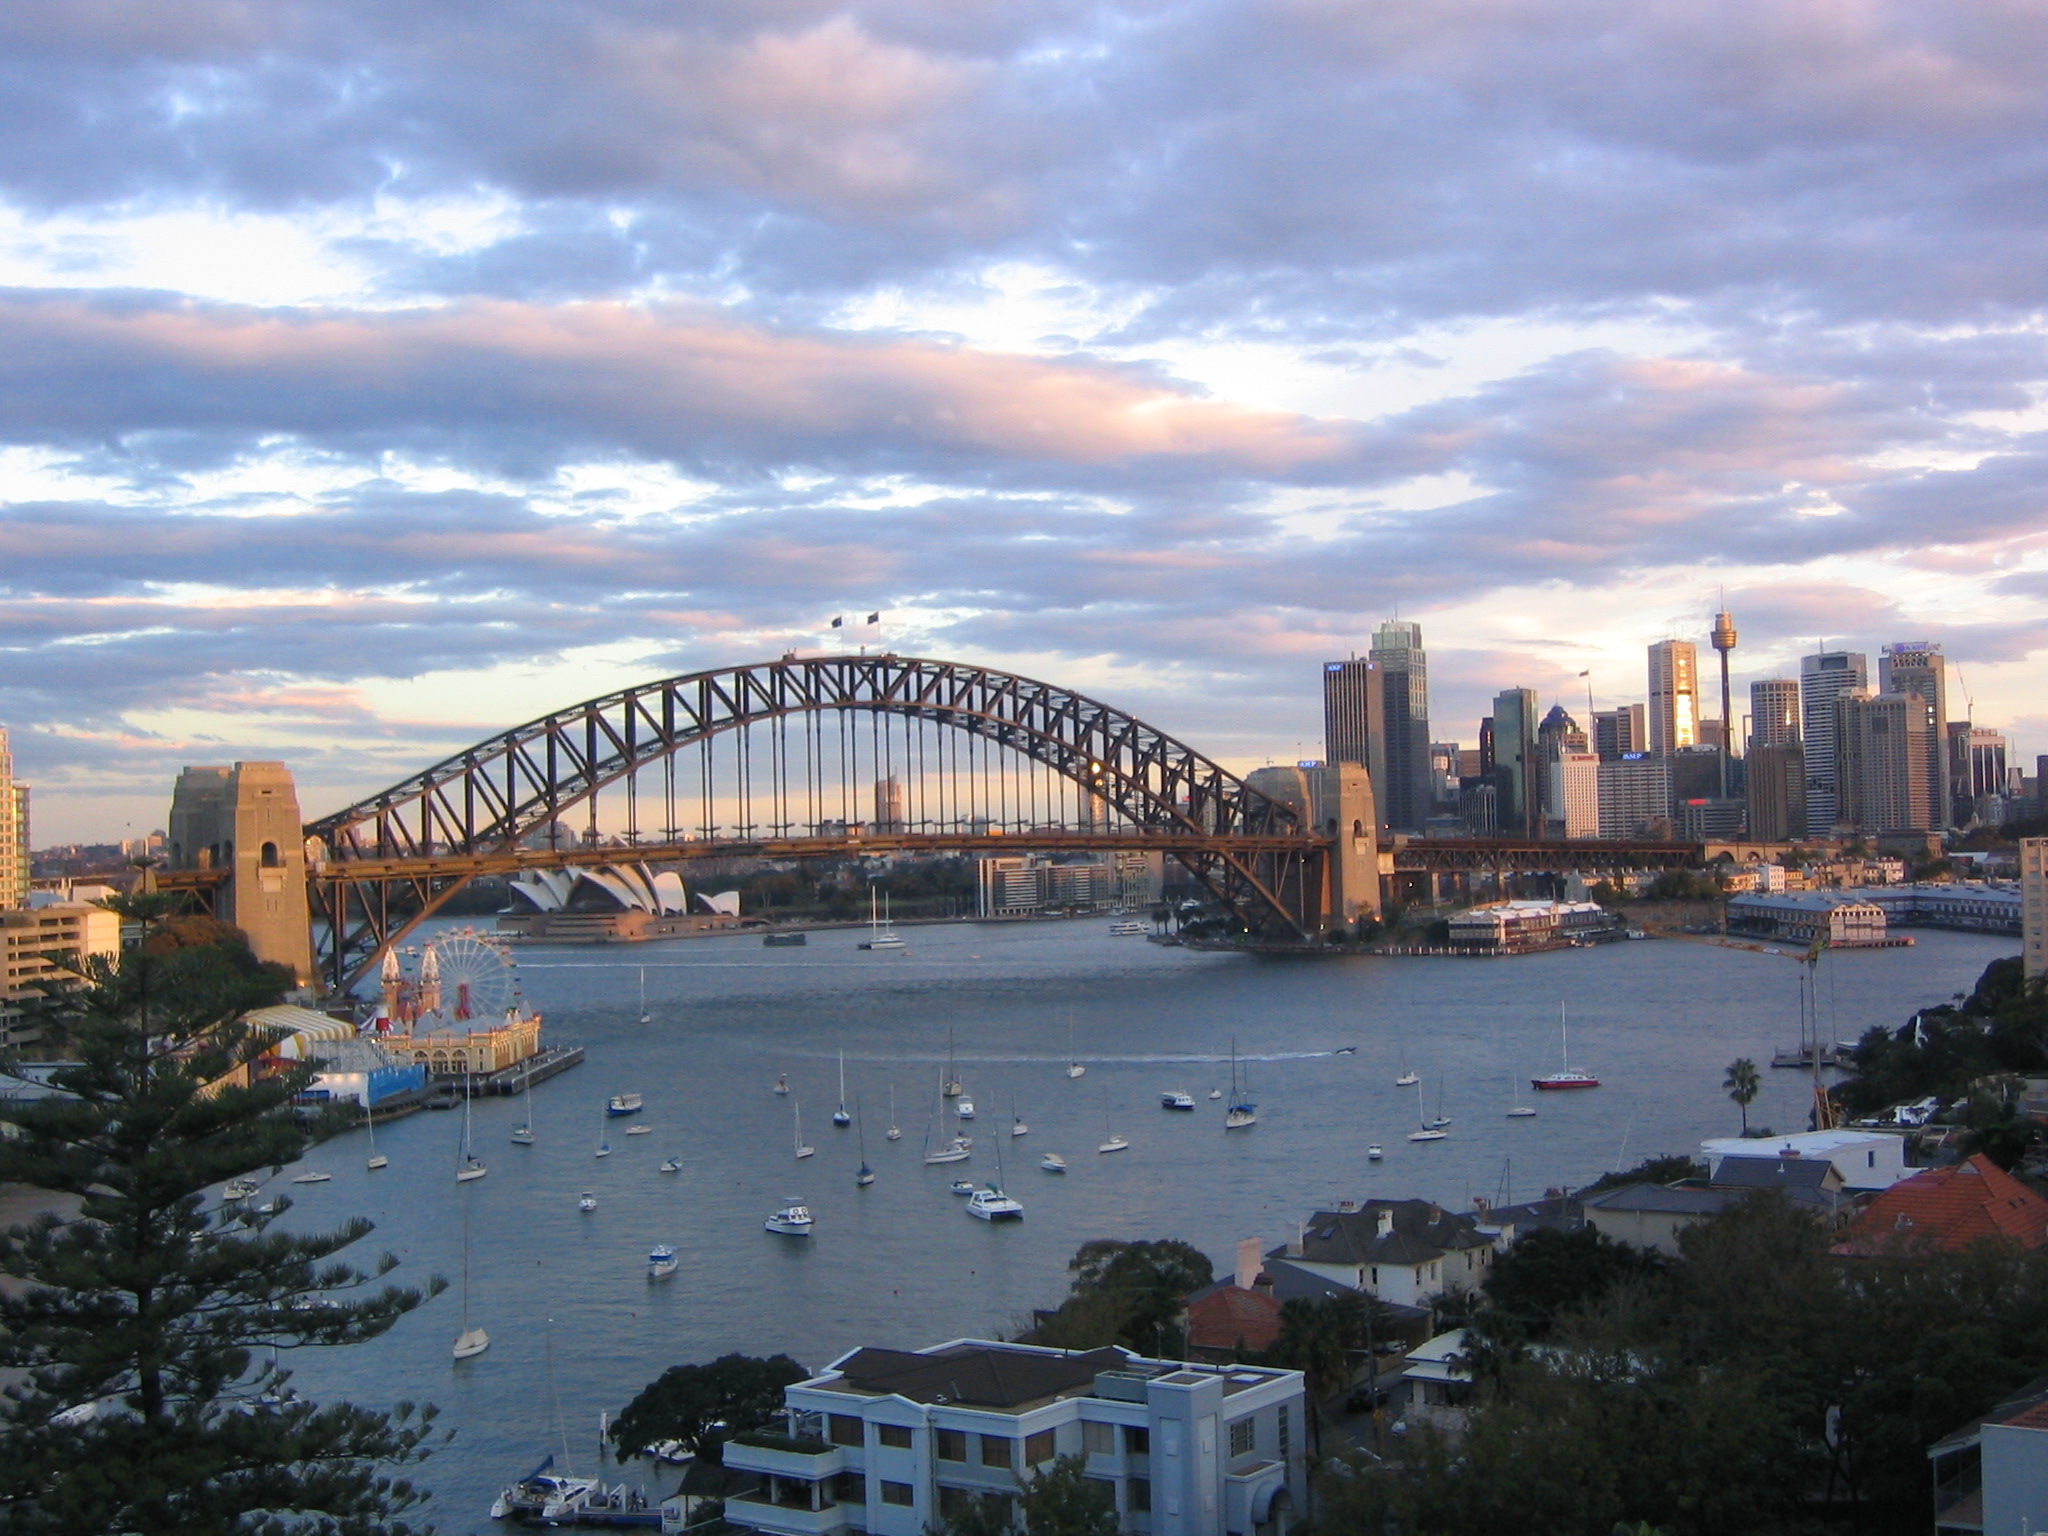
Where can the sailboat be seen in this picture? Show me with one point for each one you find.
(957, 1150)
(949, 1086)
(880, 934)
(1074, 1067)
(522, 1134)
(471, 1341)
(472, 1166)
(866, 1176)
(1516, 1109)
(377, 1159)
(797, 1115)
(1409, 1076)
(782, 1084)
(895, 1131)
(1431, 1130)
(1114, 1143)
(604, 1144)
(1567, 1076)
(1017, 1125)
(645, 1016)
(1241, 1112)
(840, 1117)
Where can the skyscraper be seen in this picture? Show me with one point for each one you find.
(1403, 791)
(1777, 791)
(1355, 718)
(1515, 761)
(1824, 677)
(1882, 762)
(13, 832)
(1774, 714)
(1674, 696)
(1618, 732)
(1917, 667)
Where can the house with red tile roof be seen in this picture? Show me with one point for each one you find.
(1950, 1208)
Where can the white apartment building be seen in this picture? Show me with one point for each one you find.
(29, 936)
(894, 1441)
(2034, 904)
(1571, 793)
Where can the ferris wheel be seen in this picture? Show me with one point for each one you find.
(465, 976)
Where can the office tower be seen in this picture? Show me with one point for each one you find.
(1983, 758)
(1515, 763)
(1777, 792)
(889, 806)
(1486, 762)
(1774, 714)
(1882, 762)
(1723, 640)
(1444, 757)
(1823, 677)
(1559, 732)
(1403, 790)
(1695, 773)
(1635, 796)
(1674, 696)
(1571, 793)
(1474, 763)
(13, 832)
(1917, 667)
(1618, 732)
(2034, 898)
(1354, 717)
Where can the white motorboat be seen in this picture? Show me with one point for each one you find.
(793, 1220)
(796, 1107)
(992, 1204)
(962, 1186)
(1177, 1101)
(586, 1202)
(670, 1165)
(312, 1178)
(1052, 1162)
(1241, 1111)
(1374, 1153)
(1215, 1094)
(964, 1110)
(639, 1130)
(239, 1189)
(661, 1262)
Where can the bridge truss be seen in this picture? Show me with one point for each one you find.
(808, 757)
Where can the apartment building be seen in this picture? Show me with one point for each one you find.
(37, 943)
(894, 1441)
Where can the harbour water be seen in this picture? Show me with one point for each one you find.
(577, 1328)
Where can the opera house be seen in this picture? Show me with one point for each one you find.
(613, 904)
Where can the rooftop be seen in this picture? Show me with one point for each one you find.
(1952, 1208)
(1661, 1200)
(976, 1374)
(1419, 1231)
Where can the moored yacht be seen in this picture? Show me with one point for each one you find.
(1177, 1101)
(623, 1104)
(661, 1262)
(992, 1204)
(793, 1220)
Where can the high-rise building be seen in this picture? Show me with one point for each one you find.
(889, 806)
(1618, 732)
(1882, 763)
(1674, 696)
(1635, 796)
(1774, 714)
(1403, 790)
(1984, 769)
(1777, 791)
(1917, 667)
(1823, 678)
(1515, 762)
(1571, 793)
(13, 832)
(2034, 902)
(1444, 760)
(1355, 717)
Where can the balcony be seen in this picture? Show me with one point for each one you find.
(786, 1508)
(802, 1457)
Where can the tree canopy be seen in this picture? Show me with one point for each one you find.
(705, 1405)
(1062, 1500)
(148, 1327)
(1129, 1293)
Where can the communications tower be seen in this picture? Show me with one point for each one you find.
(1723, 638)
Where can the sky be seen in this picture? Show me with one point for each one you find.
(375, 376)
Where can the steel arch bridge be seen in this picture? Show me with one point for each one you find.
(770, 760)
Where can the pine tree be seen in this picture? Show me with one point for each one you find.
(147, 1326)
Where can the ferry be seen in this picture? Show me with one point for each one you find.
(623, 1104)
(783, 940)
(1128, 927)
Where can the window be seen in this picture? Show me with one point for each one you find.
(1104, 1489)
(1039, 1448)
(844, 1429)
(1137, 1442)
(1286, 1433)
(896, 1436)
(1141, 1495)
(953, 1502)
(949, 1444)
(850, 1488)
(1098, 1439)
(898, 1493)
(996, 1452)
(1242, 1439)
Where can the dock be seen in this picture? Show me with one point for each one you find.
(535, 1069)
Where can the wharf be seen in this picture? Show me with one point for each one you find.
(535, 1069)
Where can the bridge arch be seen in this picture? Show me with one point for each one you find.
(472, 812)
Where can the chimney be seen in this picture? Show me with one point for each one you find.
(1386, 1223)
(1249, 1262)
(1300, 1236)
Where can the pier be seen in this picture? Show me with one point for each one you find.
(538, 1068)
